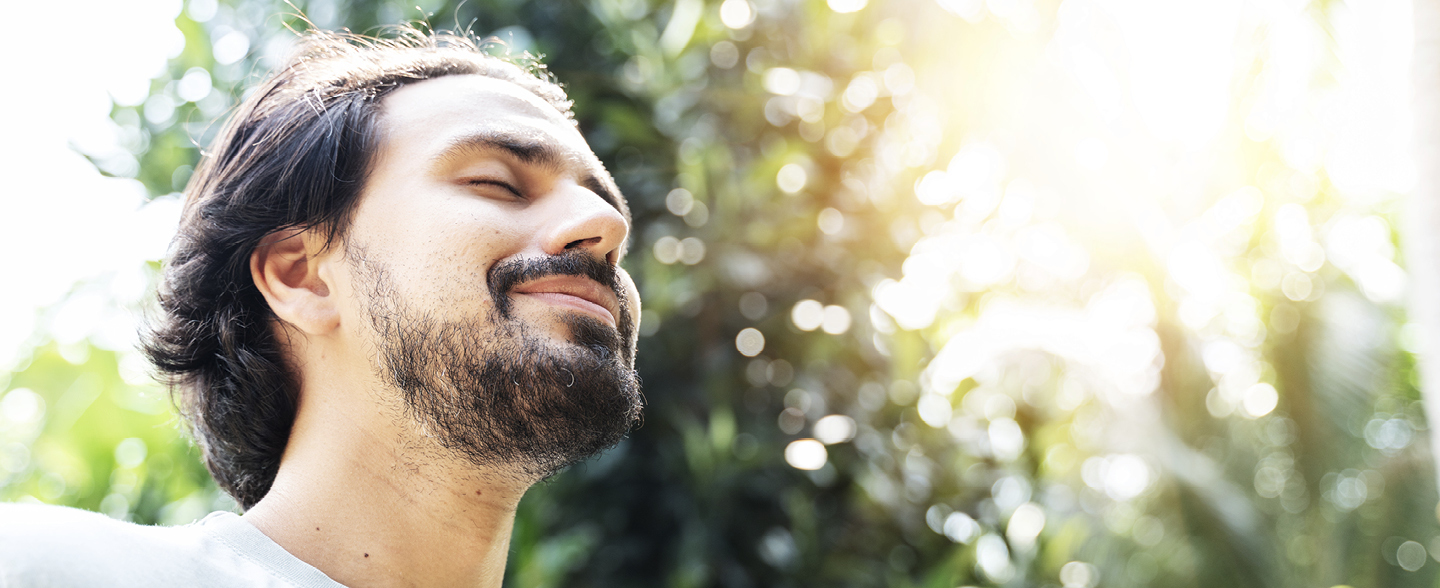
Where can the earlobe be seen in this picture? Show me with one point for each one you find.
(286, 268)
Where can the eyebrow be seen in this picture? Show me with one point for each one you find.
(529, 151)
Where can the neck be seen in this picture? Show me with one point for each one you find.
(376, 504)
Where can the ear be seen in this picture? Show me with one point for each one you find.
(286, 268)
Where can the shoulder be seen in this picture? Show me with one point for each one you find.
(43, 545)
(15, 516)
(31, 526)
(54, 546)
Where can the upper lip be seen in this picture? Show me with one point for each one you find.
(582, 288)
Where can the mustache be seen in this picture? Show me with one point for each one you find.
(507, 275)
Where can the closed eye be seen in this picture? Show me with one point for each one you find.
(505, 185)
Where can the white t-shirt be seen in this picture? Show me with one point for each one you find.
(43, 546)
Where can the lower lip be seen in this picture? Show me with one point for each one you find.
(575, 302)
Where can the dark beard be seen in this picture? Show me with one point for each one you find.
(495, 392)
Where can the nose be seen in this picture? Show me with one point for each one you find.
(578, 218)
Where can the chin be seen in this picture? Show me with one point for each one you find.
(511, 396)
(523, 392)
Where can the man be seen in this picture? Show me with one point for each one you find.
(393, 304)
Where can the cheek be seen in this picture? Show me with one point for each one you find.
(457, 248)
(436, 222)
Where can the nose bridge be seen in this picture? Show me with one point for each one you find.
(581, 218)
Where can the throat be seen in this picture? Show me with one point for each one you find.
(373, 508)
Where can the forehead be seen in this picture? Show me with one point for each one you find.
(439, 117)
(460, 102)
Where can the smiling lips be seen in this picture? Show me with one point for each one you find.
(579, 293)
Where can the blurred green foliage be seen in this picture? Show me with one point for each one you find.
(100, 441)
(679, 107)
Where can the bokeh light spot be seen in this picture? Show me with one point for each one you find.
(750, 342)
(130, 453)
(791, 178)
(831, 221)
(1260, 400)
(808, 315)
(806, 454)
(836, 320)
(1078, 574)
(1410, 556)
(667, 250)
(1025, 525)
(835, 428)
(679, 201)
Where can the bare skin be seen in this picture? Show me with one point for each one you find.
(363, 492)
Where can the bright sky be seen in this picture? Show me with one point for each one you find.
(66, 227)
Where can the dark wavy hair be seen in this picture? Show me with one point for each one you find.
(295, 154)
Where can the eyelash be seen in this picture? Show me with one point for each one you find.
(499, 183)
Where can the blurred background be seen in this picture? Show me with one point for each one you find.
(937, 293)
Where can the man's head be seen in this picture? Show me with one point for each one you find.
(418, 211)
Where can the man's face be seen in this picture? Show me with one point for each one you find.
(484, 256)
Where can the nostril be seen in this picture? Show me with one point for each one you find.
(582, 243)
